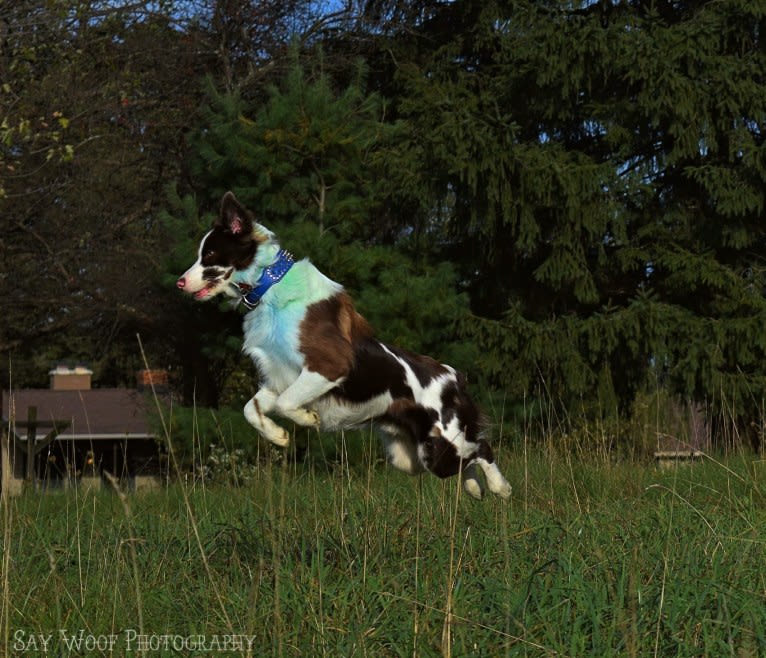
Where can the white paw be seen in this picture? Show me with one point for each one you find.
(311, 418)
(471, 482)
(473, 488)
(497, 483)
(502, 489)
(280, 437)
(302, 417)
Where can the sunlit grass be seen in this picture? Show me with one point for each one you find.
(585, 559)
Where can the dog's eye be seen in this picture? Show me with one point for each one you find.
(208, 253)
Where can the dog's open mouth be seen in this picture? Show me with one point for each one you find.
(204, 292)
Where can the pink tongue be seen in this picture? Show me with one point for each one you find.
(202, 293)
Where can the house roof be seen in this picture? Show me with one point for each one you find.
(99, 413)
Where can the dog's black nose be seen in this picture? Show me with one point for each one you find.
(181, 283)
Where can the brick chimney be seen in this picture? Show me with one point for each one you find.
(66, 378)
(146, 379)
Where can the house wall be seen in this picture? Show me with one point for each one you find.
(11, 477)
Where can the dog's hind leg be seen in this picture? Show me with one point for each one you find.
(401, 450)
(308, 387)
(495, 481)
(255, 413)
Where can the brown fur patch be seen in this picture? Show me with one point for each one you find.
(328, 334)
(400, 406)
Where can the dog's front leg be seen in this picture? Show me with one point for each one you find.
(255, 413)
(308, 387)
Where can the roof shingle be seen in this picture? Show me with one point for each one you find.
(94, 413)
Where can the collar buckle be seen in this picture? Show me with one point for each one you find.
(251, 295)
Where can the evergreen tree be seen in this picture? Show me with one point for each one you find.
(309, 163)
(305, 155)
(599, 169)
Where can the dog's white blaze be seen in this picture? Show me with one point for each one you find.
(193, 275)
(196, 282)
(201, 244)
(193, 278)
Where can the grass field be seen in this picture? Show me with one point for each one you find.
(586, 559)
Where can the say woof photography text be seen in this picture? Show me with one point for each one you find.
(64, 642)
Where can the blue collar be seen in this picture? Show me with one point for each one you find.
(251, 295)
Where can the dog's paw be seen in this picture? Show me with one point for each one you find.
(302, 417)
(473, 488)
(471, 483)
(279, 437)
(498, 485)
(502, 489)
(313, 418)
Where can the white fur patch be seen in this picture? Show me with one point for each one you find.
(337, 414)
(430, 397)
(402, 454)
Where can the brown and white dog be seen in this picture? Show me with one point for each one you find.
(320, 364)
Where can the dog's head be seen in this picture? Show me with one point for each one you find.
(231, 245)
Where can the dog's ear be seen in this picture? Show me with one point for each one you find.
(234, 216)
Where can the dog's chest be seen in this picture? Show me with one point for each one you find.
(272, 340)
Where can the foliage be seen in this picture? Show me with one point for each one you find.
(307, 163)
(198, 435)
(227, 467)
(92, 122)
(95, 102)
(602, 167)
(564, 199)
(305, 155)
